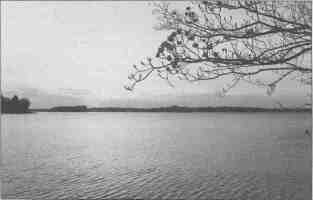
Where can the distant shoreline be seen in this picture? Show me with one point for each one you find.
(175, 109)
(28, 112)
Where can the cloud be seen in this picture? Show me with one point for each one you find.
(74, 92)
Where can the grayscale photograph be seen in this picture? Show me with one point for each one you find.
(207, 100)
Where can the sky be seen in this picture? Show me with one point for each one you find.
(82, 52)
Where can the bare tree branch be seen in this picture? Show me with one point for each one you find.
(241, 39)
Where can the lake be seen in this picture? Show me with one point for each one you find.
(156, 155)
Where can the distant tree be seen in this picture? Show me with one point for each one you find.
(239, 39)
(14, 105)
(14, 99)
(4, 103)
(24, 104)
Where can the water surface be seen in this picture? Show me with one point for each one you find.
(156, 155)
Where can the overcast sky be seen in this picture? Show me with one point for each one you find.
(85, 50)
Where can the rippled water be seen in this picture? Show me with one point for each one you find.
(156, 155)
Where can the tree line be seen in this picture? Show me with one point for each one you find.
(14, 105)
